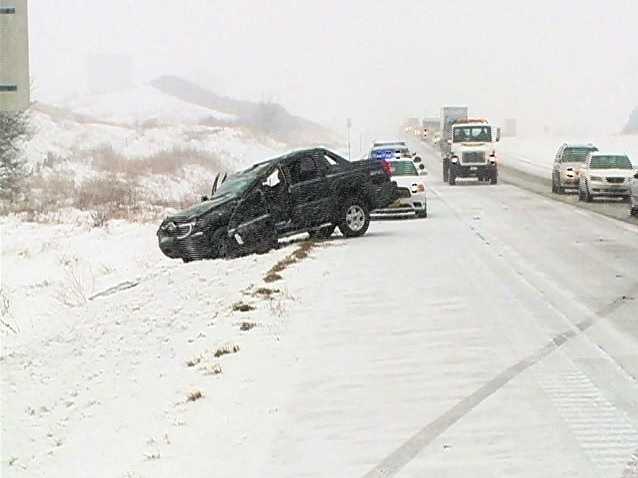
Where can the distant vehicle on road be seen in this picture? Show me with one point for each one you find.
(567, 164)
(605, 174)
(449, 116)
(312, 190)
(472, 151)
(412, 198)
(389, 143)
(633, 208)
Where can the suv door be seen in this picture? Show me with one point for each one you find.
(252, 223)
(309, 195)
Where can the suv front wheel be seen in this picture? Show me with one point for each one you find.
(354, 218)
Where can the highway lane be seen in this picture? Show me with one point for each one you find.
(498, 337)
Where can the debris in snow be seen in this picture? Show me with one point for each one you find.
(265, 292)
(226, 349)
(246, 326)
(242, 307)
(298, 254)
(194, 361)
(193, 397)
(212, 369)
(272, 277)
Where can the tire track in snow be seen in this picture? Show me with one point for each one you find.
(403, 455)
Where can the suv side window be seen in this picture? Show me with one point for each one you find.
(325, 162)
(304, 169)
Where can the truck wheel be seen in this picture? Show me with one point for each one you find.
(494, 177)
(422, 214)
(634, 211)
(554, 189)
(452, 176)
(354, 218)
(581, 196)
(323, 233)
(445, 170)
(588, 196)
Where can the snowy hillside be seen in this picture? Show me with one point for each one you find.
(143, 104)
(140, 122)
(165, 149)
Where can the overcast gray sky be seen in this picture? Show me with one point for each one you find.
(570, 63)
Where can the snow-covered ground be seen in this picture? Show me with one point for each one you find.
(349, 366)
(535, 155)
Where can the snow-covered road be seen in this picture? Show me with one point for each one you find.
(498, 337)
(435, 348)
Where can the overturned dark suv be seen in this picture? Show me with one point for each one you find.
(313, 190)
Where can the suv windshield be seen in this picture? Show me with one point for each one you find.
(610, 162)
(472, 133)
(238, 183)
(403, 168)
(576, 155)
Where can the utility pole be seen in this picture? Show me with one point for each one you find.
(348, 126)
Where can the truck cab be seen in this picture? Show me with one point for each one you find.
(472, 145)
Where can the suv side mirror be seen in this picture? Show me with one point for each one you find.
(417, 159)
(204, 198)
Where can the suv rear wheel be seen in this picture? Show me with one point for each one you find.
(354, 218)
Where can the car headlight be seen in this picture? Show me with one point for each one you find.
(595, 178)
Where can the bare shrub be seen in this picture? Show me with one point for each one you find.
(226, 349)
(194, 396)
(242, 307)
(108, 191)
(49, 192)
(100, 217)
(168, 162)
(78, 285)
(5, 312)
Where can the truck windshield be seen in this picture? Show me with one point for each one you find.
(610, 162)
(238, 183)
(466, 134)
(576, 155)
(403, 168)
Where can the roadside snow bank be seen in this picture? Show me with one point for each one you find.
(155, 367)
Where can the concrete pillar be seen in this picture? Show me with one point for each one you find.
(15, 94)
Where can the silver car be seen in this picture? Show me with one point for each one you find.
(605, 174)
(567, 164)
(633, 209)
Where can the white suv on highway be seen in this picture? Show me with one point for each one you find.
(567, 164)
(605, 174)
